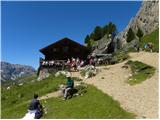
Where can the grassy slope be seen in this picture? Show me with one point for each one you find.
(19, 95)
(153, 37)
(140, 72)
(25, 79)
(93, 104)
(119, 56)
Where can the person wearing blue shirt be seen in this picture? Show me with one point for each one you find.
(36, 107)
(70, 85)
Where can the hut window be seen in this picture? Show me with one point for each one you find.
(65, 49)
(76, 50)
(54, 49)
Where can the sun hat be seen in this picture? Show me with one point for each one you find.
(68, 74)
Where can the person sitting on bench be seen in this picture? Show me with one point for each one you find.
(70, 85)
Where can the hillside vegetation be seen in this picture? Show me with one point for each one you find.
(19, 95)
(140, 72)
(153, 38)
(93, 104)
(99, 32)
(21, 80)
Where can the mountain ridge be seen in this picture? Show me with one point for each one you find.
(11, 71)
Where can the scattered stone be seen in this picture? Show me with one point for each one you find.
(76, 94)
(65, 73)
(144, 117)
(89, 71)
(20, 95)
(106, 68)
(20, 84)
(125, 66)
(78, 84)
(8, 88)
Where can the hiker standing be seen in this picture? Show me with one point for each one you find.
(68, 64)
(150, 45)
(73, 63)
(77, 63)
(91, 61)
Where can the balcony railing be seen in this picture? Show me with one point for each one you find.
(52, 62)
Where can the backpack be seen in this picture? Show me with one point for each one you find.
(38, 114)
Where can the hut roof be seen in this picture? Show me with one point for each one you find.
(61, 41)
(48, 50)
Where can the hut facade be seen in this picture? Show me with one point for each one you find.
(64, 49)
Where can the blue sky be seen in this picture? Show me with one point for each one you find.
(29, 26)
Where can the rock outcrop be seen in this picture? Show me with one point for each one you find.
(104, 47)
(147, 19)
(43, 73)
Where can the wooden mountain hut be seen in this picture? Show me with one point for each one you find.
(64, 49)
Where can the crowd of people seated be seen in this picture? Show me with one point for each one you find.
(70, 63)
(53, 62)
(74, 63)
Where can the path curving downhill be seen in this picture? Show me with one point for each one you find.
(141, 99)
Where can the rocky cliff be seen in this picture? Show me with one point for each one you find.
(147, 19)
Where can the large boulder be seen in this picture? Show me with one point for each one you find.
(89, 71)
(43, 73)
(102, 46)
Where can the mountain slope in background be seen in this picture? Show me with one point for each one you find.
(13, 71)
(147, 19)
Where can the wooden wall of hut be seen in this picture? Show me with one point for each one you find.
(64, 49)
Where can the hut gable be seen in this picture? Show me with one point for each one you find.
(64, 49)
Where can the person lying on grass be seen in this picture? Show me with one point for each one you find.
(70, 85)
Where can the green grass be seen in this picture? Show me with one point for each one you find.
(153, 38)
(93, 104)
(25, 79)
(140, 72)
(131, 49)
(20, 94)
(119, 56)
(82, 72)
(28, 78)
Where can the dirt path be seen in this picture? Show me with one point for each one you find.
(50, 95)
(54, 93)
(141, 99)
